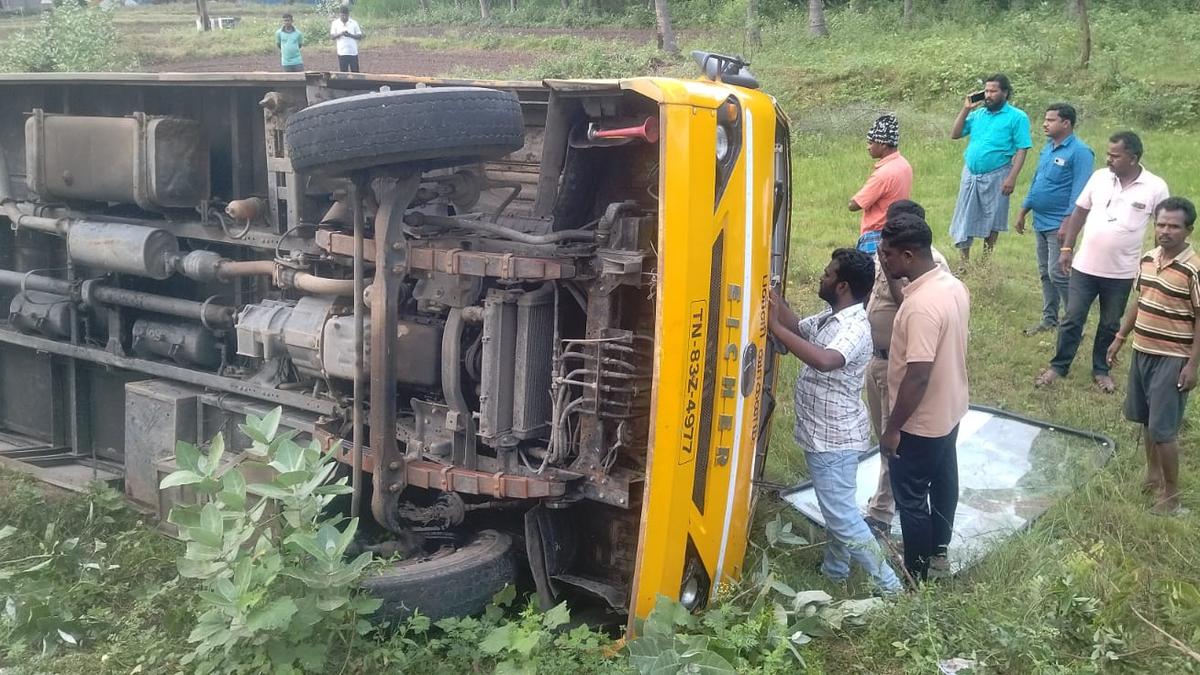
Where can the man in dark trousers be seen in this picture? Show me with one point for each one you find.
(927, 390)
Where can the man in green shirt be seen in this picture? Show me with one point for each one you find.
(289, 40)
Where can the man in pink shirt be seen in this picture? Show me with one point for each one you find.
(890, 180)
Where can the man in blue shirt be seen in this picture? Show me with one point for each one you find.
(1063, 169)
(999, 139)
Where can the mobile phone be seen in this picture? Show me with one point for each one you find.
(977, 97)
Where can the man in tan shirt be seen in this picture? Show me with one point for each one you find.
(927, 391)
(884, 300)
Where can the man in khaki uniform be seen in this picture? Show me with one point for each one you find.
(884, 300)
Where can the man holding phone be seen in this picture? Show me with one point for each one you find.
(998, 141)
(346, 33)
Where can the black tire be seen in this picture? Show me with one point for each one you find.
(459, 583)
(429, 127)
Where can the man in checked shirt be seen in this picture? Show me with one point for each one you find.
(831, 420)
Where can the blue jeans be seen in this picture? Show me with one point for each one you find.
(1054, 282)
(1082, 291)
(834, 476)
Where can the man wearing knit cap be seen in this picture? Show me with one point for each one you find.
(890, 180)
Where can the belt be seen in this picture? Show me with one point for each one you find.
(881, 354)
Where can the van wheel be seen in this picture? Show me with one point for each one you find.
(429, 127)
(451, 582)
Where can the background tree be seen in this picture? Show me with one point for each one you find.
(858, 6)
(202, 12)
(753, 32)
(908, 12)
(663, 31)
(1085, 31)
(485, 12)
(816, 18)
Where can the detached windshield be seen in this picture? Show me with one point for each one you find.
(1010, 470)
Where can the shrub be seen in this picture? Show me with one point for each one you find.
(279, 589)
(68, 38)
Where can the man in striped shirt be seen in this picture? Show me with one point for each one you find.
(1166, 346)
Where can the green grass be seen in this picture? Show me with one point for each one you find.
(1140, 555)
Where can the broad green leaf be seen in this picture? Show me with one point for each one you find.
(644, 651)
(505, 596)
(333, 489)
(366, 605)
(214, 599)
(814, 626)
(290, 478)
(7, 531)
(347, 536)
(804, 598)
(187, 456)
(177, 478)
(305, 542)
(216, 450)
(287, 458)
(206, 537)
(666, 663)
(524, 641)
(311, 580)
(197, 569)
(328, 604)
(255, 435)
(690, 645)
(270, 423)
(184, 515)
(327, 541)
(783, 588)
(498, 640)
(267, 490)
(210, 519)
(707, 663)
(204, 630)
(274, 616)
(226, 588)
(557, 616)
(773, 529)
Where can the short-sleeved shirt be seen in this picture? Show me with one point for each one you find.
(881, 306)
(1168, 303)
(1116, 223)
(890, 180)
(346, 46)
(289, 43)
(995, 137)
(830, 414)
(931, 327)
(1062, 171)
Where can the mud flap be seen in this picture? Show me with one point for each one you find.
(551, 545)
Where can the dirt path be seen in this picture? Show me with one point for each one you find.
(398, 59)
(410, 59)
